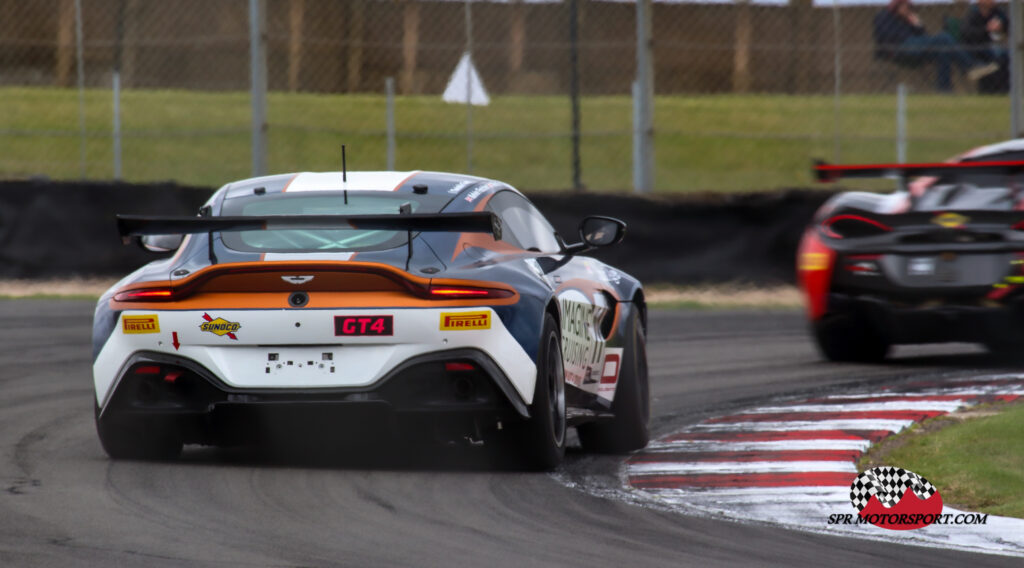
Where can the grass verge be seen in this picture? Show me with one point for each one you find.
(723, 296)
(720, 142)
(659, 296)
(975, 458)
(66, 288)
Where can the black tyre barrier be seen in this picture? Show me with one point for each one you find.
(60, 229)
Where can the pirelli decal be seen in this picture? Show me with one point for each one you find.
(460, 321)
(140, 324)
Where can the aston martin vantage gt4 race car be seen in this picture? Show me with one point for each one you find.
(940, 260)
(424, 306)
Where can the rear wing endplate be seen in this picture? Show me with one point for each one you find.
(477, 222)
(825, 172)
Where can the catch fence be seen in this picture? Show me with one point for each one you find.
(746, 92)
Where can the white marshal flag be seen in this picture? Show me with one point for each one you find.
(465, 85)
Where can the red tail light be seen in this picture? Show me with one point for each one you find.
(172, 376)
(147, 370)
(844, 226)
(455, 292)
(865, 264)
(145, 295)
(459, 366)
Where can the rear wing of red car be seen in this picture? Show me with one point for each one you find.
(477, 222)
(825, 172)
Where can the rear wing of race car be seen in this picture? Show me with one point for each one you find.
(130, 226)
(825, 172)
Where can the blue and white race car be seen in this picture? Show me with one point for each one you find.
(410, 304)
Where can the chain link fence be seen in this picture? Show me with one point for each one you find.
(746, 91)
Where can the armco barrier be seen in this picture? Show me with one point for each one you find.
(51, 229)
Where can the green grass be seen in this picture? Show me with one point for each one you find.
(722, 143)
(977, 464)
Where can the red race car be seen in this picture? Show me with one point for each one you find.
(939, 260)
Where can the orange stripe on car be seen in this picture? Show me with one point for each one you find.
(348, 284)
(409, 177)
(289, 184)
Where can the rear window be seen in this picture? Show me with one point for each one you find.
(324, 203)
(967, 190)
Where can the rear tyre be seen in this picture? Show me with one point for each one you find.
(628, 430)
(543, 438)
(137, 439)
(845, 337)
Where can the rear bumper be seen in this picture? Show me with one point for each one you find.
(419, 397)
(279, 350)
(902, 324)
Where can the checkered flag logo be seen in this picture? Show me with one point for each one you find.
(888, 484)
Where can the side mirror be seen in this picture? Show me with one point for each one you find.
(602, 231)
(161, 243)
(596, 231)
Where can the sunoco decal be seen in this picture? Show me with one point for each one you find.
(140, 324)
(220, 326)
(461, 321)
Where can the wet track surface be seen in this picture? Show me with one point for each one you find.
(62, 502)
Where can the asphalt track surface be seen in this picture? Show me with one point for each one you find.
(64, 503)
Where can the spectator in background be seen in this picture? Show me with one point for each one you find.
(900, 37)
(984, 34)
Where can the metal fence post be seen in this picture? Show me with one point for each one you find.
(80, 70)
(574, 91)
(837, 79)
(258, 77)
(643, 103)
(389, 88)
(116, 80)
(901, 123)
(469, 88)
(1016, 69)
(117, 123)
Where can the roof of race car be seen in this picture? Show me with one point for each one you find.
(997, 148)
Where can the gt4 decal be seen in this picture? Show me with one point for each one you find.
(350, 326)
(460, 321)
(149, 323)
(220, 326)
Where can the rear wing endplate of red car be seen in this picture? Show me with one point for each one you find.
(477, 222)
(825, 172)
